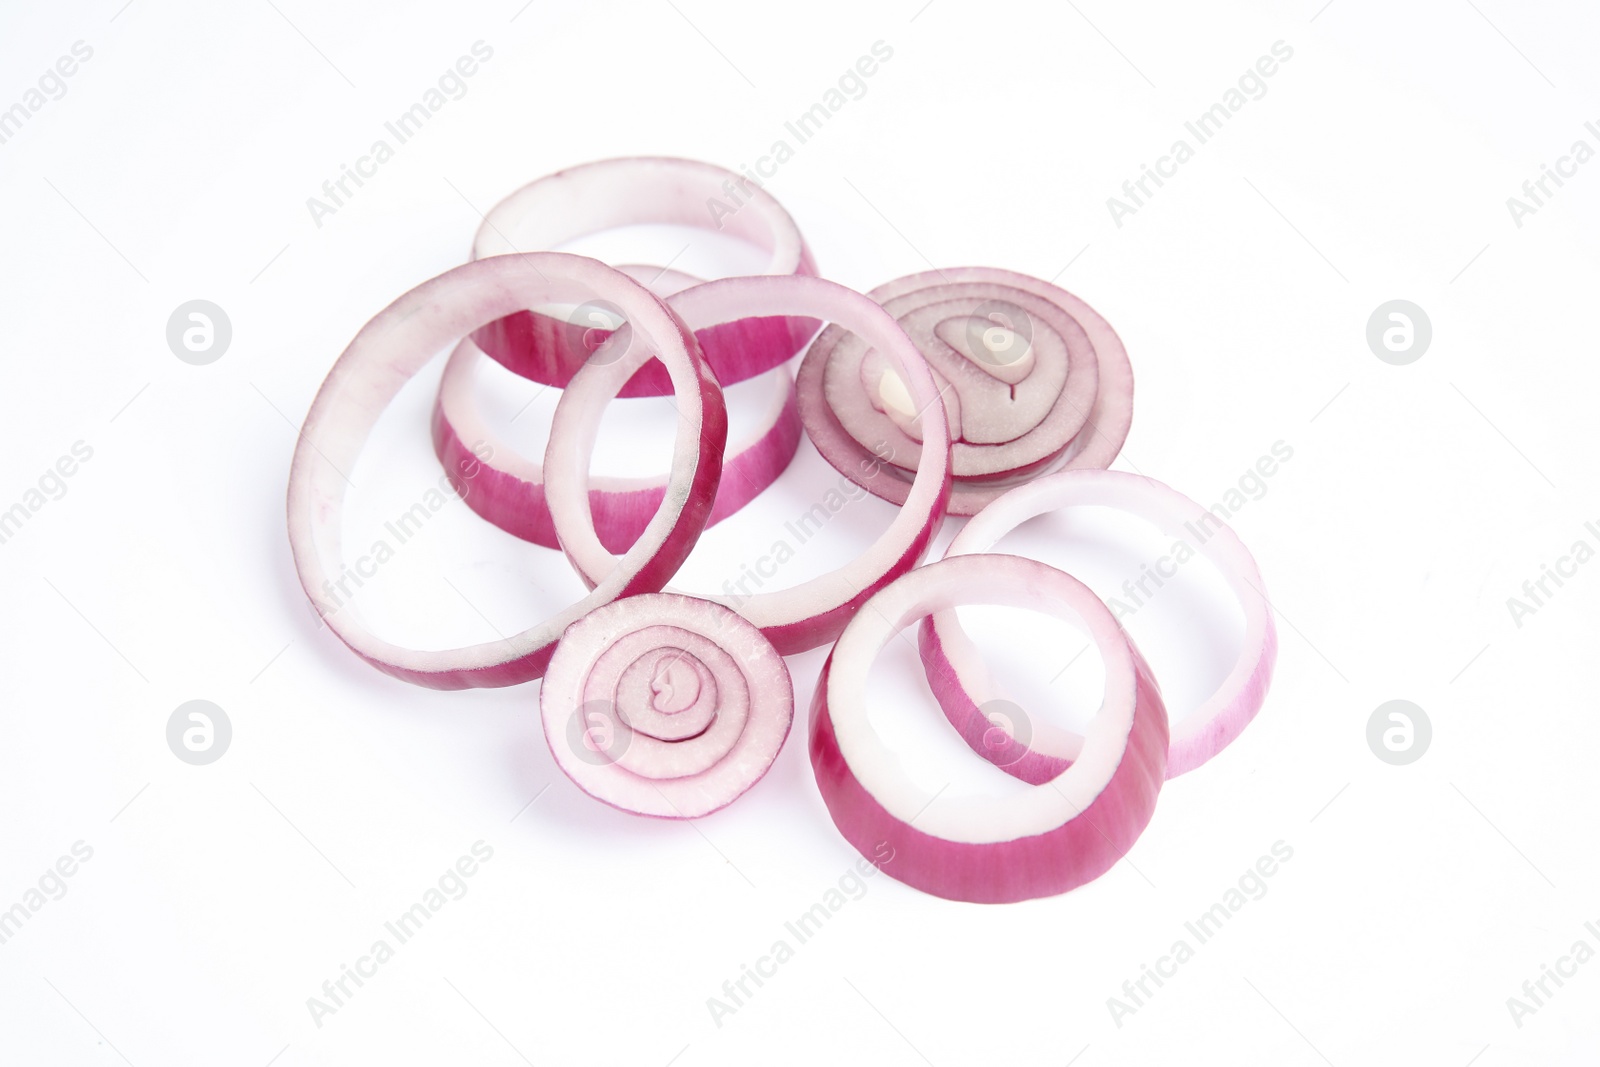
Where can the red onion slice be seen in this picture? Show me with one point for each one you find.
(963, 684)
(1050, 839)
(814, 612)
(1034, 380)
(508, 488)
(665, 705)
(391, 348)
(549, 348)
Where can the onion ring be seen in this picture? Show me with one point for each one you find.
(1048, 840)
(665, 705)
(632, 191)
(401, 339)
(963, 685)
(814, 612)
(1034, 379)
(508, 488)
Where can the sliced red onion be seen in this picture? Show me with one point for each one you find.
(548, 348)
(665, 705)
(1032, 377)
(396, 344)
(507, 488)
(662, 281)
(814, 612)
(991, 850)
(963, 684)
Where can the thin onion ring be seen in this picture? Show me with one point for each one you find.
(814, 612)
(401, 339)
(640, 190)
(508, 487)
(963, 685)
(1048, 840)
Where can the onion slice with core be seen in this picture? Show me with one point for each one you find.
(1047, 840)
(814, 612)
(665, 705)
(1033, 378)
(964, 686)
(548, 347)
(396, 344)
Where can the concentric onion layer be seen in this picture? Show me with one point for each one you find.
(814, 612)
(665, 705)
(548, 344)
(1032, 378)
(963, 684)
(396, 344)
(1048, 840)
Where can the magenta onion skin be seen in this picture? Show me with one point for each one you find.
(793, 638)
(392, 347)
(622, 507)
(814, 612)
(700, 495)
(996, 746)
(1094, 446)
(611, 193)
(955, 699)
(961, 682)
(1014, 866)
(549, 350)
(686, 774)
(985, 874)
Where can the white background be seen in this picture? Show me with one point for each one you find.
(1419, 498)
